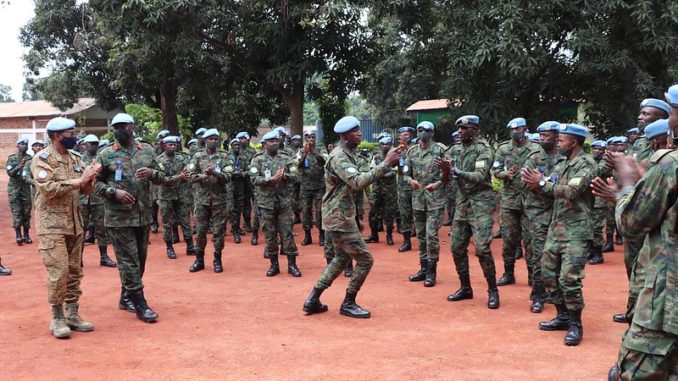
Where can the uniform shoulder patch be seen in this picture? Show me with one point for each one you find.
(42, 174)
(44, 154)
(575, 181)
(76, 153)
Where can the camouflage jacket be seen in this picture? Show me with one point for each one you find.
(312, 167)
(402, 178)
(241, 163)
(473, 171)
(343, 179)
(265, 166)
(212, 189)
(57, 201)
(173, 188)
(91, 199)
(642, 150)
(652, 208)
(16, 181)
(389, 179)
(125, 162)
(569, 186)
(603, 171)
(540, 160)
(419, 166)
(507, 155)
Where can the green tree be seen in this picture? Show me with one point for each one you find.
(6, 94)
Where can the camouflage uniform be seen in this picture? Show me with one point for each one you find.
(642, 150)
(92, 207)
(239, 181)
(19, 192)
(601, 207)
(312, 172)
(451, 187)
(154, 195)
(27, 176)
(649, 349)
(174, 197)
(364, 167)
(248, 153)
(383, 197)
(404, 202)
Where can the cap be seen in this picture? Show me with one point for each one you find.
(171, 139)
(455, 134)
(298, 137)
(598, 144)
(534, 137)
(242, 134)
(91, 138)
(281, 130)
(517, 122)
(657, 128)
(346, 124)
(193, 141)
(59, 124)
(271, 135)
(122, 118)
(656, 103)
(551, 125)
(211, 132)
(162, 134)
(574, 130)
(406, 129)
(22, 141)
(467, 119)
(103, 142)
(200, 130)
(426, 125)
(386, 140)
(633, 130)
(671, 95)
(234, 141)
(38, 141)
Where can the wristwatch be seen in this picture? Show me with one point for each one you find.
(110, 191)
(542, 183)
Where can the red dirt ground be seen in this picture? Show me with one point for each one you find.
(241, 325)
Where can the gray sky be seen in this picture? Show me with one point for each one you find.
(12, 18)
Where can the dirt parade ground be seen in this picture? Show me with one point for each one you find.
(241, 325)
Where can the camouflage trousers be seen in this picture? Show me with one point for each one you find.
(599, 218)
(610, 224)
(175, 212)
(62, 256)
(238, 191)
(638, 271)
(278, 222)
(311, 201)
(511, 222)
(647, 355)
(537, 224)
(295, 191)
(247, 202)
(384, 204)
(359, 204)
(213, 216)
(562, 267)
(477, 223)
(94, 214)
(21, 204)
(131, 249)
(451, 193)
(347, 246)
(428, 223)
(405, 207)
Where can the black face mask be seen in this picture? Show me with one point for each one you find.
(23, 148)
(92, 149)
(425, 136)
(68, 143)
(123, 136)
(273, 149)
(517, 136)
(211, 146)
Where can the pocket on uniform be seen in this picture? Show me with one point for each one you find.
(46, 248)
(645, 340)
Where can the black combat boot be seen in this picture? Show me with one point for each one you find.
(190, 249)
(619, 239)
(248, 225)
(89, 238)
(154, 218)
(575, 330)
(218, 267)
(497, 234)
(199, 263)
(559, 323)
(297, 218)
(407, 244)
(104, 260)
(312, 305)
(236, 235)
(351, 309)
(596, 256)
(307, 238)
(430, 274)
(620, 318)
(170, 250)
(19, 238)
(613, 374)
(508, 277)
(4, 271)
(348, 271)
(538, 294)
(175, 233)
(374, 235)
(27, 238)
(125, 303)
(275, 266)
(492, 294)
(421, 274)
(292, 268)
(255, 237)
(321, 238)
(389, 236)
(519, 252)
(143, 311)
(609, 246)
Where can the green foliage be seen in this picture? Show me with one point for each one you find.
(369, 145)
(497, 185)
(587, 147)
(6, 94)
(148, 121)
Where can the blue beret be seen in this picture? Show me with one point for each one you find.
(297, 137)
(309, 132)
(657, 128)
(467, 119)
(103, 142)
(38, 141)
(234, 141)
(211, 132)
(200, 130)
(91, 138)
(551, 125)
(656, 103)
(59, 124)
(517, 122)
(122, 118)
(534, 137)
(672, 95)
(22, 141)
(383, 134)
(406, 129)
(598, 143)
(281, 130)
(171, 139)
(271, 135)
(346, 124)
(610, 140)
(162, 134)
(193, 141)
(386, 140)
(426, 125)
(242, 134)
(633, 130)
(574, 130)
(622, 139)
(455, 134)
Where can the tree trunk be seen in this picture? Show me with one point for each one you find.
(168, 106)
(295, 102)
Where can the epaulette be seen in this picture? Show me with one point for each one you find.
(505, 142)
(44, 154)
(76, 153)
(413, 147)
(12, 154)
(659, 155)
(441, 145)
(258, 154)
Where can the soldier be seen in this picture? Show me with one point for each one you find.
(312, 179)
(238, 184)
(272, 173)
(475, 209)
(173, 195)
(600, 206)
(92, 205)
(248, 153)
(538, 207)
(36, 147)
(159, 149)
(384, 195)
(405, 135)
(128, 168)
(651, 109)
(510, 157)
(451, 187)
(343, 179)
(570, 232)
(211, 171)
(428, 200)
(60, 177)
(19, 191)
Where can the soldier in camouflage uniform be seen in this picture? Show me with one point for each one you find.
(19, 191)
(36, 147)
(451, 187)
(510, 157)
(92, 206)
(239, 180)
(173, 196)
(312, 178)
(651, 109)
(60, 178)
(475, 210)
(405, 135)
(248, 153)
(272, 173)
(384, 196)
(159, 149)
(128, 168)
(538, 207)
(600, 206)
(343, 179)
(570, 233)
(211, 171)
(296, 145)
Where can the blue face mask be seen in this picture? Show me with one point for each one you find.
(69, 143)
